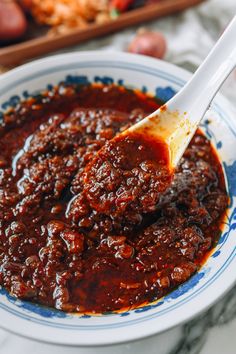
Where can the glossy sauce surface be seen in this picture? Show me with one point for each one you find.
(78, 246)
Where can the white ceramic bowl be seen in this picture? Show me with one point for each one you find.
(214, 278)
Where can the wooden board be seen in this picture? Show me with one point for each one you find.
(18, 53)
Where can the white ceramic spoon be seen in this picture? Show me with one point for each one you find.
(176, 122)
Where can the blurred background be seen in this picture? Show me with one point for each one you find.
(178, 31)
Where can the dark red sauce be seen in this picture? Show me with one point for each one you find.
(81, 246)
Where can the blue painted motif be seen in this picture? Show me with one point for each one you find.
(85, 316)
(144, 89)
(165, 93)
(206, 124)
(162, 93)
(76, 80)
(11, 103)
(35, 308)
(49, 87)
(216, 254)
(231, 226)
(124, 314)
(120, 82)
(181, 290)
(25, 94)
(105, 80)
(231, 175)
(184, 288)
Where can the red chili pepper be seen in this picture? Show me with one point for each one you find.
(121, 5)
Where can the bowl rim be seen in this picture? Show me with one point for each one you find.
(140, 331)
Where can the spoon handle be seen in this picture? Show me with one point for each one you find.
(207, 80)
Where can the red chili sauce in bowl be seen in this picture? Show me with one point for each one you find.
(85, 247)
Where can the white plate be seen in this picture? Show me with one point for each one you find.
(203, 289)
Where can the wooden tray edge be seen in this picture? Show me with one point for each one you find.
(18, 53)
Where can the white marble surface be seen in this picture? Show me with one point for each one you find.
(221, 339)
(190, 36)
